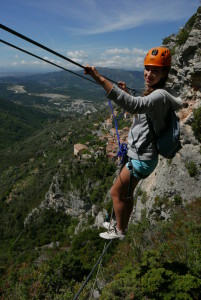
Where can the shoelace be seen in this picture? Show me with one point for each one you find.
(115, 230)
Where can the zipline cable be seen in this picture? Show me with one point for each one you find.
(19, 236)
(38, 44)
(92, 291)
(90, 274)
(52, 51)
(45, 60)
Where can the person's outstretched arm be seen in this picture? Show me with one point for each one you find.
(106, 84)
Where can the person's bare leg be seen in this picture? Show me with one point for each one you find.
(130, 200)
(123, 206)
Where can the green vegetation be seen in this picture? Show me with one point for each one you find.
(161, 262)
(159, 201)
(182, 36)
(196, 124)
(46, 272)
(167, 40)
(192, 168)
(80, 175)
(178, 199)
(156, 262)
(17, 122)
(143, 196)
(35, 255)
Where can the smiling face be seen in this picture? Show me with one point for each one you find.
(153, 74)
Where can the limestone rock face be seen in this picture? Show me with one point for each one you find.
(71, 202)
(171, 180)
(185, 75)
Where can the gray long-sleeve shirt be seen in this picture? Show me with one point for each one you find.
(141, 141)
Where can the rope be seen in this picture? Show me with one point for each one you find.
(90, 274)
(96, 276)
(38, 44)
(122, 147)
(51, 51)
(43, 59)
(17, 237)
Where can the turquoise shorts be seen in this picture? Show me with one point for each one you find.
(143, 168)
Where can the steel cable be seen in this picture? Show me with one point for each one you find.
(45, 60)
(52, 51)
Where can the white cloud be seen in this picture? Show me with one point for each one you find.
(77, 54)
(135, 51)
(121, 62)
(23, 62)
(124, 58)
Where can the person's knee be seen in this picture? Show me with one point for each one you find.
(117, 195)
(113, 192)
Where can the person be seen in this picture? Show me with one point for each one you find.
(142, 151)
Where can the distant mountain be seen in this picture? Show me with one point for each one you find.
(64, 81)
(63, 92)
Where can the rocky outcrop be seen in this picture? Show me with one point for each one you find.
(171, 183)
(71, 202)
(185, 76)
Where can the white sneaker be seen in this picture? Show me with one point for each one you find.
(111, 234)
(109, 225)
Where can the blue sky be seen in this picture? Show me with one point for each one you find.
(106, 33)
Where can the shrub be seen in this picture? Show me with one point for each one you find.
(159, 201)
(168, 39)
(196, 124)
(144, 197)
(192, 168)
(182, 36)
(178, 199)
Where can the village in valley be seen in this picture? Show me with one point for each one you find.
(109, 135)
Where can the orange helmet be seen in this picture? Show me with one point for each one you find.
(159, 57)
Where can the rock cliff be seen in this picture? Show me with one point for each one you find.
(172, 183)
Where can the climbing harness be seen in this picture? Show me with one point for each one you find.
(132, 170)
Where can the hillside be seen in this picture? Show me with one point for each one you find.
(65, 83)
(63, 78)
(18, 122)
(63, 93)
(52, 203)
